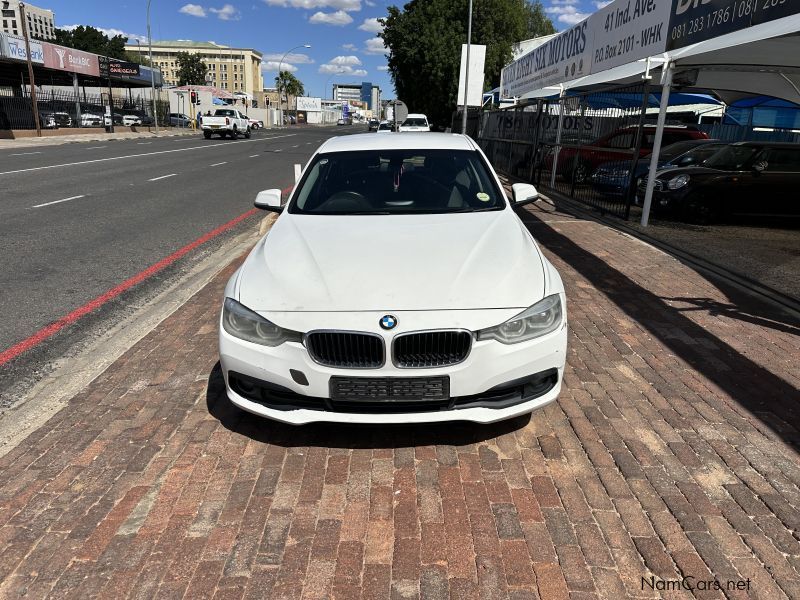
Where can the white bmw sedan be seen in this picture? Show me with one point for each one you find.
(396, 286)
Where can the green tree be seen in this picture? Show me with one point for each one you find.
(92, 40)
(289, 84)
(424, 47)
(191, 69)
(538, 23)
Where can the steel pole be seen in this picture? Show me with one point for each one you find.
(466, 71)
(34, 101)
(666, 87)
(152, 67)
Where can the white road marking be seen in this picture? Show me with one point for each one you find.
(218, 164)
(254, 155)
(277, 150)
(96, 160)
(58, 201)
(95, 147)
(143, 143)
(24, 153)
(298, 145)
(307, 143)
(162, 177)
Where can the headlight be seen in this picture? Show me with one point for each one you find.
(243, 323)
(540, 319)
(678, 182)
(619, 174)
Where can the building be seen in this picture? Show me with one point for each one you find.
(41, 22)
(355, 92)
(231, 69)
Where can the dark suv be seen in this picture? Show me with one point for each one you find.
(617, 145)
(754, 178)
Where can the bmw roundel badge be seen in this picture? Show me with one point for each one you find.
(388, 322)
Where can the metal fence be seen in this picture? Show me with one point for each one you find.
(65, 109)
(549, 142)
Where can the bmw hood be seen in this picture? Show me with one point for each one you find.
(324, 263)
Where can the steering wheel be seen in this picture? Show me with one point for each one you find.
(347, 201)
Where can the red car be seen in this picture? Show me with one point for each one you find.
(617, 145)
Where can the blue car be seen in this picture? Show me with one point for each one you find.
(613, 178)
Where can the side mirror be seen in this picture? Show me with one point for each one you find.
(686, 160)
(524, 193)
(760, 166)
(269, 200)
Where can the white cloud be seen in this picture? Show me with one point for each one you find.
(602, 3)
(374, 46)
(111, 32)
(567, 14)
(227, 13)
(563, 2)
(298, 59)
(194, 10)
(383, 68)
(346, 5)
(271, 66)
(369, 3)
(345, 61)
(371, 25)
(342, 67)
(351, 47)
(338, 18)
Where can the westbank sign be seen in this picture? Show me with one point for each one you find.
(50, 55)
(13, 47)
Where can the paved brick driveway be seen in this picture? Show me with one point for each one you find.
(671, 453)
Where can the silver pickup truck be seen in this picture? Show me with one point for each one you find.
(226, 122)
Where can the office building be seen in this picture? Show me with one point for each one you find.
(41, 21)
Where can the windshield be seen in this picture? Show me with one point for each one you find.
(415, 123)
(731, 158)
(386, 126)
(675, 150)
(225, 113)
(397, 182)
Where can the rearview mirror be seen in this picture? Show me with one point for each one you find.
(269, 200)
(524, 193)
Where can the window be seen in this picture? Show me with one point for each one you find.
(621, 140)
(783, 159)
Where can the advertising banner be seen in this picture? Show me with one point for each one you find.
(345, 109)
(695, 21)
(13, 47)
(123, 68)
(309, 104)
(628, 30)
(477, 60)
(69, 59)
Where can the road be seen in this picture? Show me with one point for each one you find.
(77, 220)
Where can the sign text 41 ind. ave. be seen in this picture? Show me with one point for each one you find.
(628, 30)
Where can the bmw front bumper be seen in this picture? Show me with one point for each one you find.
(495, 382)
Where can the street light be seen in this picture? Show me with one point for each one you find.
(152, 68)
(280, 65)
(466, 72)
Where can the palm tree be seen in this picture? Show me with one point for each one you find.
(290, 85)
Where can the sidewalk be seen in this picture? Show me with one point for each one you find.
(671, 453)
(58, 140)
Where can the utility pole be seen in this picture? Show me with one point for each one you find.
(466, 71)
(152, 67)
(30, 69)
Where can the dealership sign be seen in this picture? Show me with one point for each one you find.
(123, 68)
(13, 47)
(629, 30)
(309, 104)
(69, 59)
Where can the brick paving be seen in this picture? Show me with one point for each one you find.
(671, 452)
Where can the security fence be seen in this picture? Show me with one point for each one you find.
(559, 143)
(66, 109)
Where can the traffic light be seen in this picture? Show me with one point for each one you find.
(194, 98)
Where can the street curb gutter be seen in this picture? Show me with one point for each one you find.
(785, 303)
(73, 374)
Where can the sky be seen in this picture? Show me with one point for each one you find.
(342, 33)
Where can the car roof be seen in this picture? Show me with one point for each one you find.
(407, 141)
(771, 144)
(416, 116)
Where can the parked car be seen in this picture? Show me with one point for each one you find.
(372, 125)
(617, 145)
(131, 120)
(745, 178)
(444, 335)
(613, 178)
(146, 119)
(385, 127)
(226, 122)
(179, 120)
(345, 121)
(62, 119)
(47, 120)
(255, 123)
(414, 122)
(91, 120)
